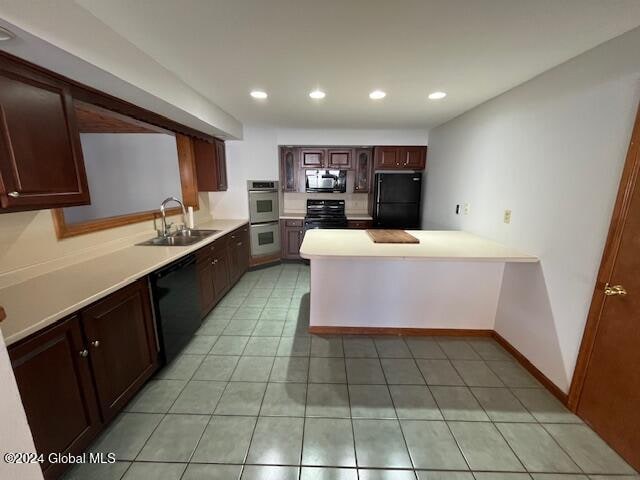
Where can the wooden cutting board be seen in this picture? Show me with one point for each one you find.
(391, 236)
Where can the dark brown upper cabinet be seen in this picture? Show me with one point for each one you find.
(122, 347)
(414, 158)
(400, 158)
(312, 157)
(288, 169)
(211, 165)
(221, 164)
(41, 164)
(340, 158)
(363, 164)
(53, 373)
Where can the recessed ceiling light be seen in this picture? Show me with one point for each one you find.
(5, 34)
(437, 95)
(377, 95)
(259, 94)
(317, 94)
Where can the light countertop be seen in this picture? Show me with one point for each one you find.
(40, 301)
(434, 245)
(300, 216)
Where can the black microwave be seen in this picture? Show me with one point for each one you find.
(326, 181)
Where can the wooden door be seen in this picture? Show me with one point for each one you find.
(340, 158)
(206, 292)
(288, 169)
(220, 273)
(122, 345)
(386, 157)
(221, 164)
(41, 163)
(312, 157)
(363, 170)
(206, 168)
(54, 378)
(293, 239)
(413, 158)
(606, 386)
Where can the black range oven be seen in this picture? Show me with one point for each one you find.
(325, 214)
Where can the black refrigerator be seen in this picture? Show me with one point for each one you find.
(397, 200)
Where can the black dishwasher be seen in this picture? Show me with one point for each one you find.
(177, 305)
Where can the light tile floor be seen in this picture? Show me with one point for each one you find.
(255, 397)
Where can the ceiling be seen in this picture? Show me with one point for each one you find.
(471, 49)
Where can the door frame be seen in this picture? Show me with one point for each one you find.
(630, 174)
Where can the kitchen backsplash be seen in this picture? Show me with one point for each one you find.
(354, 202)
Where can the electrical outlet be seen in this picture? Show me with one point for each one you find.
(507, 216)
(467, 208)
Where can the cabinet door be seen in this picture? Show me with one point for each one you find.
(312, 157)
(293, 239)
(206, 168)
(206, 291)
(363, 171)
(340, 158)
(55, 384)
(221, 164)
(220, 273)
(387, 157)
(413, 158)
(288, 169)
(41, 164)
(122, 345)
(244, 251)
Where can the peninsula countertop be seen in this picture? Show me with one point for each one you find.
(42, 300)
(434, 245)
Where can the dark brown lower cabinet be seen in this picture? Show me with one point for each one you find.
(291, 235)
(220, 265)
(75, 376)
(122, 347)
(221, 281)
(207, 293)
(53, 373)
(238, 251)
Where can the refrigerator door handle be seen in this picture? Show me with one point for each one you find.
(378, 190)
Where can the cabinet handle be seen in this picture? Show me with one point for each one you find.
(239, 244)
(14, 194)
(214, 262)
(84, 353)
(96, 343)
(233, 237)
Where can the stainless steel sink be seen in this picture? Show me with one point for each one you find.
(181, 238)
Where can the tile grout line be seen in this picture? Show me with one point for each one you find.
(404, 439)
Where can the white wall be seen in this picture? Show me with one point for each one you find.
(256, 157)
(303, 136)
(552, 151)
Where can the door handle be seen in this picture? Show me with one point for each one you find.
(95, 343)
(84, 353)
(613, 290)
(14, 194)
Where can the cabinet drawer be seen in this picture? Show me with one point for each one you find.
(293, 223)
(360, 224)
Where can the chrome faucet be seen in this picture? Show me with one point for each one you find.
(166, 229)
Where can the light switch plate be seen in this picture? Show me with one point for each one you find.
(507, 216)
(467, 208)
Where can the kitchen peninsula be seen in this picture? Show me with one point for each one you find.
(450, 280)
